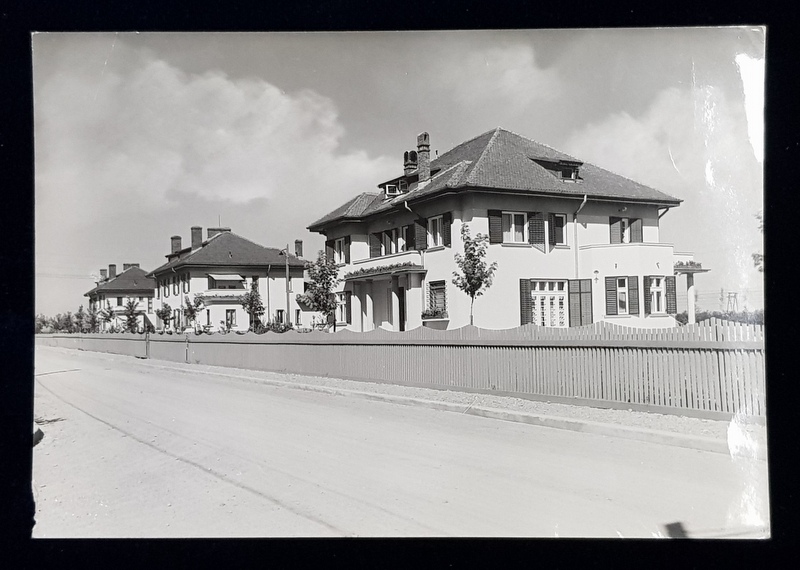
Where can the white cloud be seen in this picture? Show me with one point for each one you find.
(692, 144)
(147, 133)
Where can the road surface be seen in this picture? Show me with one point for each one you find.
(132, 450)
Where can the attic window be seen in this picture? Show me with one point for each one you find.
(391, 190)
(402, 186)
(569, 173)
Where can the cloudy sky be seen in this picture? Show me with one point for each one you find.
(138, 137)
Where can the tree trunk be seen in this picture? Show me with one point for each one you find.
(471, 302)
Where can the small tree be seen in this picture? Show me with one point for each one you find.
(40, 323)
(192, 308)
(475, 277)
(92, 319)
(107, 314)
(758, 258)
(323, 274)
(165, 314)
(131, 321)
(80, 319)
(251, 302)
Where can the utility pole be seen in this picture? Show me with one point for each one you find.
(733, 305)
(288, 311)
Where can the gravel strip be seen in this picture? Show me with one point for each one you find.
(629, 418)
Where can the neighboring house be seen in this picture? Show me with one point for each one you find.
(221, 269)
(115, 291)
(574, 243)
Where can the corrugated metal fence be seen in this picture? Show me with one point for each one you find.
(712, 369)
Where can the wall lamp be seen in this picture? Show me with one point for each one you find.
(596, 274)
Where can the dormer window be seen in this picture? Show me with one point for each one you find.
(569, 173)
(391, 190)
(402, 186)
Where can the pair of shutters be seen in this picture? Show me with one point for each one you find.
(330, 249)
(615, 225)
(535, 228)
(349, 308)
(579, 293)
(415, 235)
(633, 295)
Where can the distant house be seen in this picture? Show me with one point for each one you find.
(574, 243)
(221, 269)
(114, 291)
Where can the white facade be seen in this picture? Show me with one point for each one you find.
(222, 290)
(395, 301)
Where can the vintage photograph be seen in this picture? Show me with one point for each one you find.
(400, 284)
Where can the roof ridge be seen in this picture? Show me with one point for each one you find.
(483, 153)
(539, 143)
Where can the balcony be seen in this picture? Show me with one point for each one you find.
(403, 262)
(223, 295)
(626, 259)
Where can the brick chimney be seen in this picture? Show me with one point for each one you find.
(103, 274)
(424, 157)
(197, 237)
(214, 231)
(409, 161)
(298, 247)
(112, 271)
(176, 243)
(126, 266)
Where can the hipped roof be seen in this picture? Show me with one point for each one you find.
(504, 161)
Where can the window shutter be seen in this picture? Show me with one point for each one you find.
(421, 234)
(347, 249)
(374, 245)
(551, 231)
(586, 301)
(536, 230)
(611, 295)
(349, 307)
(525, 307)
(633, 295)
(329, 250)
(647, 308)
(672, 302)
(636, 230)
(447, 222)
(495, 226)
(408, 237)
(616, 229)
(574, 303)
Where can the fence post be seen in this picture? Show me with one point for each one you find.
(147, 344)
(187, 348)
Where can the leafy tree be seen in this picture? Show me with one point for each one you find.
(475, 277)
(131, 322)
(165, 314)
(192, 308)
(66, 322)
(107, 314)
(324, 276)
(92, 319)
(758, 258)
(80, 318)
(40, 323)
(251, 302)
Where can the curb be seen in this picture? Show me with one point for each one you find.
(699, 443)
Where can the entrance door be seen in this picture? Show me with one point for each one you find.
(402, 296)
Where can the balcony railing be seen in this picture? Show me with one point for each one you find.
(412, 256)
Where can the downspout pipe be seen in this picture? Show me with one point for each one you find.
(575, 231)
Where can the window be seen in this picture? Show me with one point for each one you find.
(438, 296)
(402, 186)
(338, 250)
(408, 238)
(622, 295)
(390, 242)
(185, 283)
(435, 231)
(558, 235)
(297, 316)
(549, 303)
(514, 227)
(208, 317)
(657, 304)
(230, 318)
(119, 301)
(254, 281)
(391, 190)
(279, 315)
(165, 288)
(626, 230)
(341, 307)
(150, 305)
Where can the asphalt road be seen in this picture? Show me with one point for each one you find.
(136, 451)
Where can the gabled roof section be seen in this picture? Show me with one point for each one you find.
(132, 279)
(230, 249)
(503, 160)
